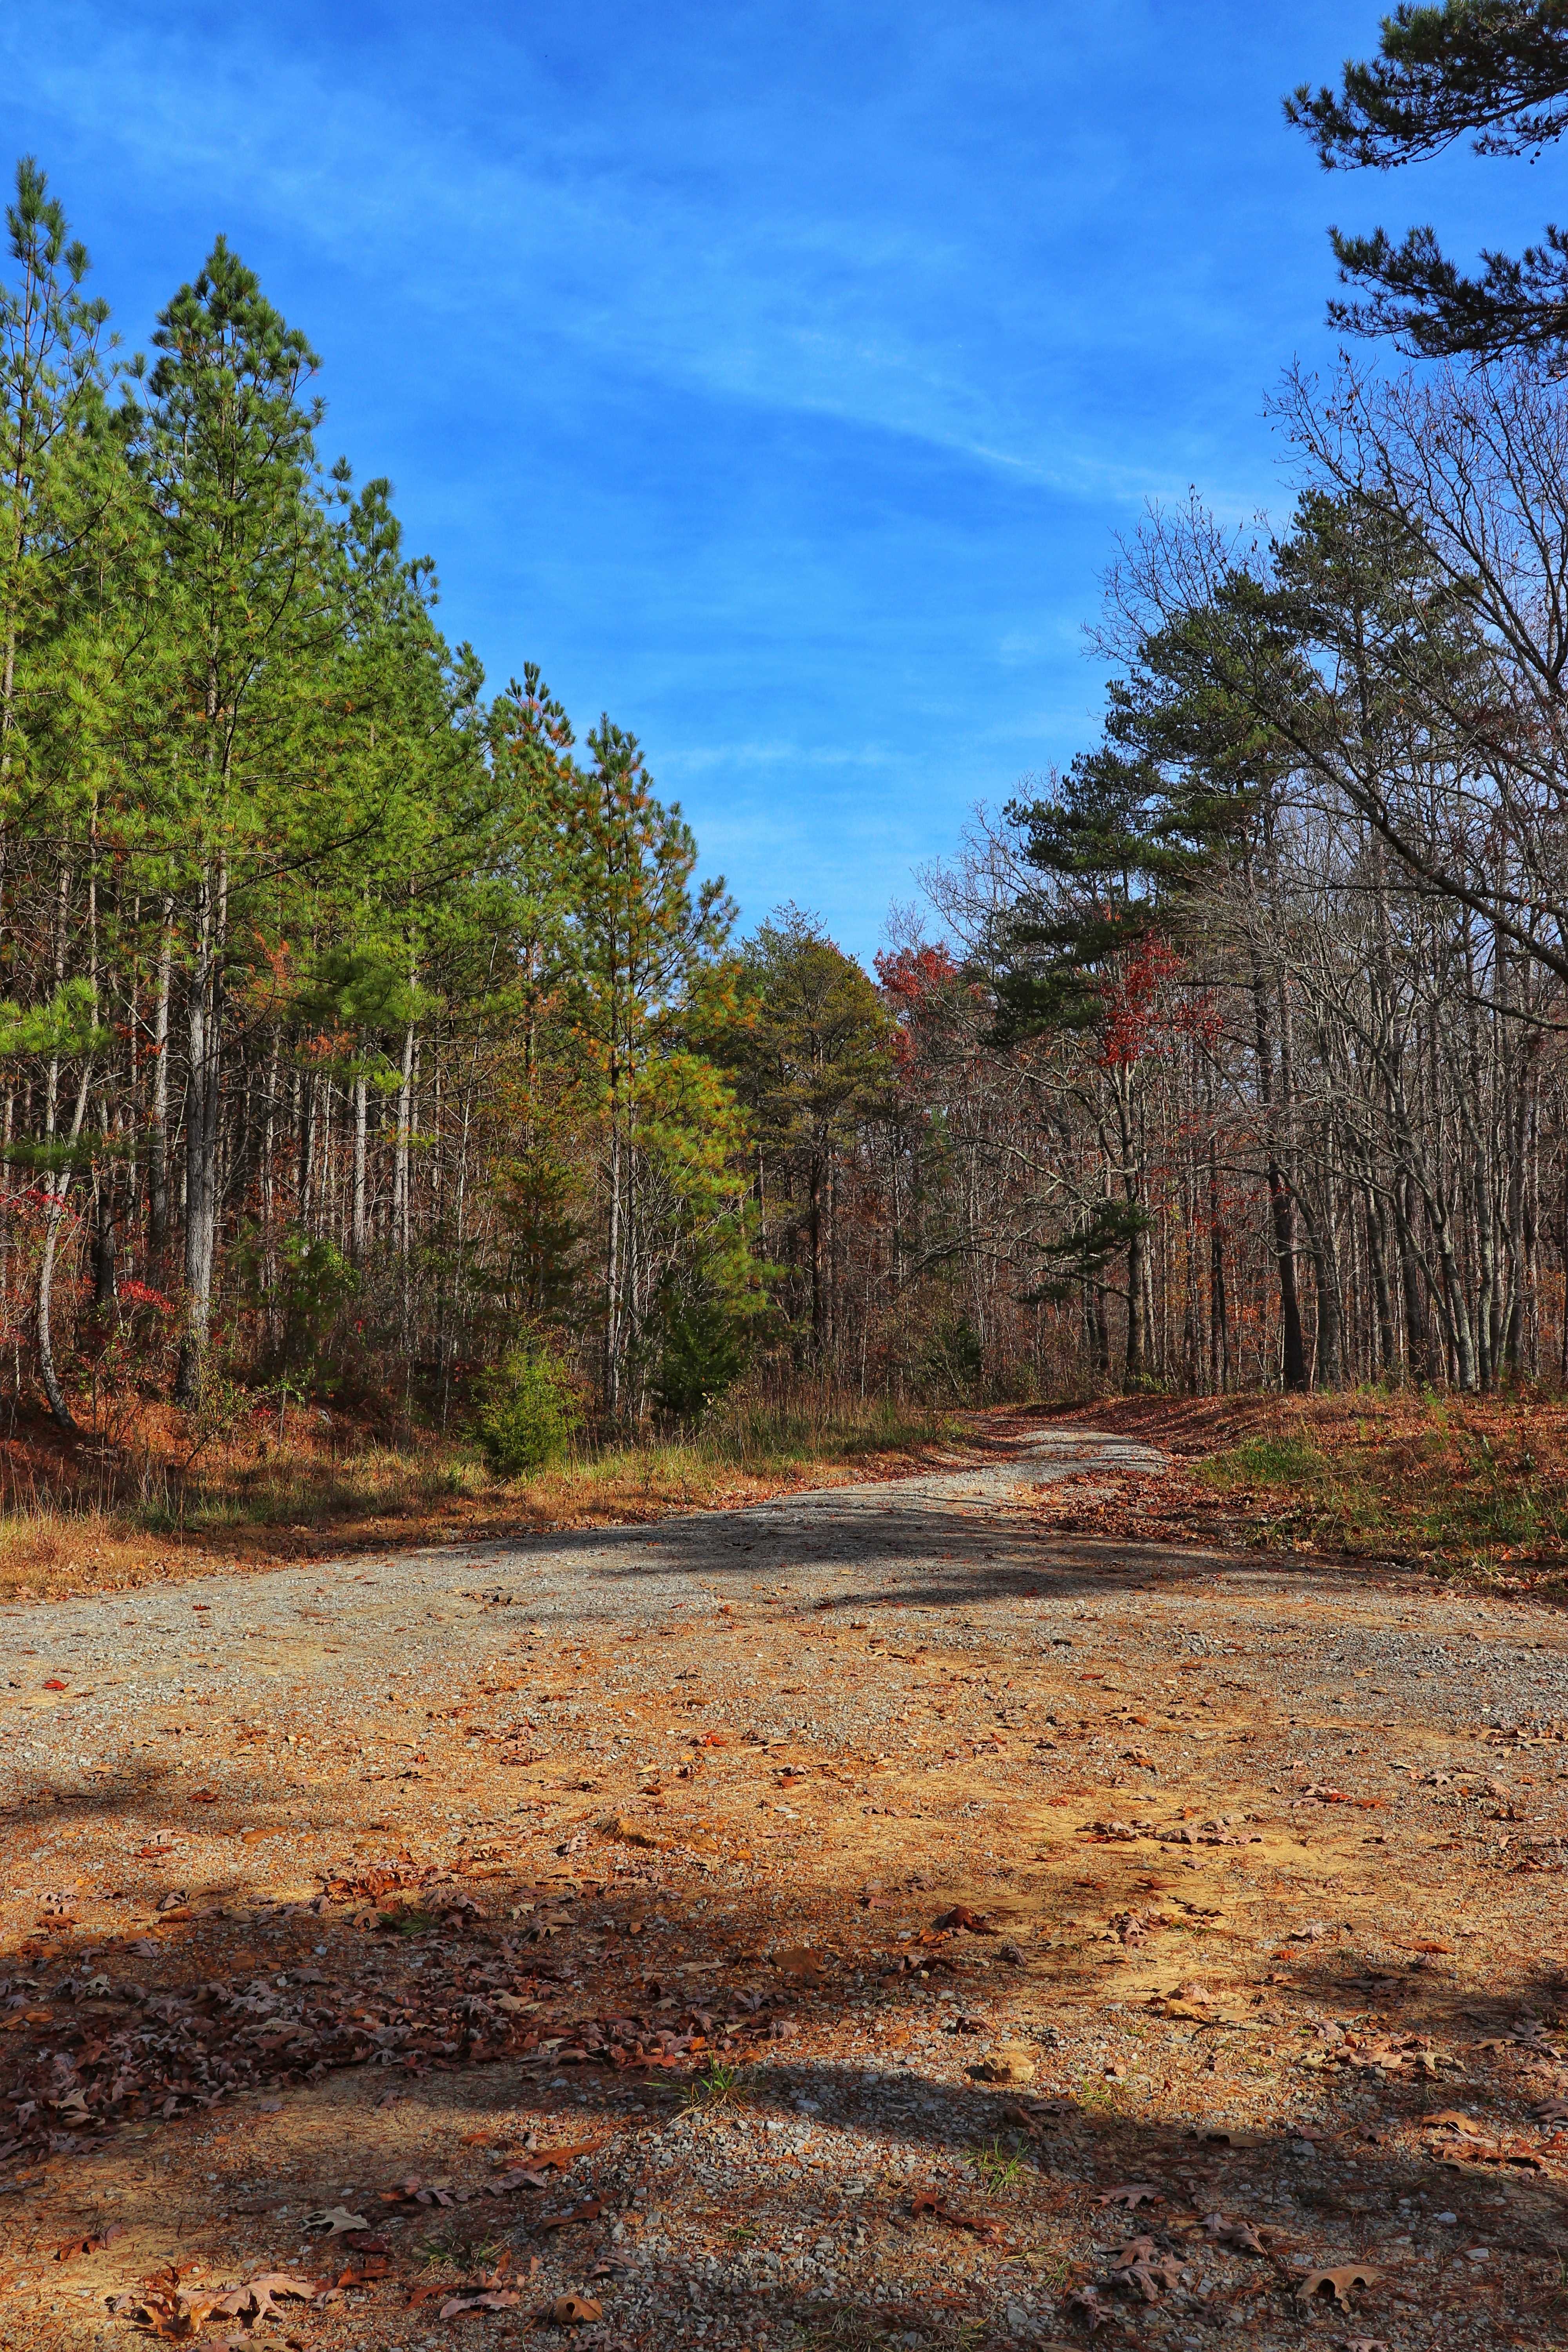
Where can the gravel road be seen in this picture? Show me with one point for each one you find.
(330, 1635)
(321, 1639)
(712, 1786)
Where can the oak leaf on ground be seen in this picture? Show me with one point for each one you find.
(1142, 2265)
(92, 2243)
(1240, 2236)
(259, 2297)
(575, 2310)
(1339, 2283)
(335, 2220)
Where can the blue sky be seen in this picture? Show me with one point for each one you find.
(776, 376)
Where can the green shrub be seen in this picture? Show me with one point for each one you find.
(704, 1347)
(953, 1361)
(528, 1412)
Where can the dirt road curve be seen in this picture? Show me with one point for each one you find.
(875, 1889)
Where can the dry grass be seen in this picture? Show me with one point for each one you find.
(1474, 1487)
(251, 1498)
(1470, 1487)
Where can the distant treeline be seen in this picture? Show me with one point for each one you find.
(361, 1035)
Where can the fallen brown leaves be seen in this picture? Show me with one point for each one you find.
(575, 2310)
(177, 2315)
(94, 2244)
(960, 1916)
(1142, 2265)
(1239, 2236)
(590, 2212)
(491, 2290)
(1338, 2284)
(926, 2206)
(364, 2271)
(202, 2044)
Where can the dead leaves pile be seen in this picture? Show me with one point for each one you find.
(1133, 1504)
(1379, 2053)
(139, 2054)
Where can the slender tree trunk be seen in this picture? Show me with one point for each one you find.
(613, 1246)
(359, 1229)
(158, 1140)
(818, 1281)
(201, 1143)
(1377, 1261)
(104, 1250)
(59, 1183)
(1281, 1211)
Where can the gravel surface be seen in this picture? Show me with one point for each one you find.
(805, 1862)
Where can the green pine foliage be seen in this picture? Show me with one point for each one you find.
(347, 1012)
(364, 1034)
(528, 1412)
(1495, 70)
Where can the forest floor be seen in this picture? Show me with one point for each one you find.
(1473, 1488)
(877, 1916)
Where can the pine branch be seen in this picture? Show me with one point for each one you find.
(1433, 310)
(1494, 67)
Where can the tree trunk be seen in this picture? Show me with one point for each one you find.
(1281, 1212)
(201, 1144)
(58, 1186)
(158, 1140)
(358, 1228)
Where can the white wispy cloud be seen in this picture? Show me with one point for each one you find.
(817, 293)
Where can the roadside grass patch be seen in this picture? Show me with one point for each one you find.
(1273, 1458)
(1468, 1487)
(717, 2085)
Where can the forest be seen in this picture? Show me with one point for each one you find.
(705, 1644)
(368, 1036)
